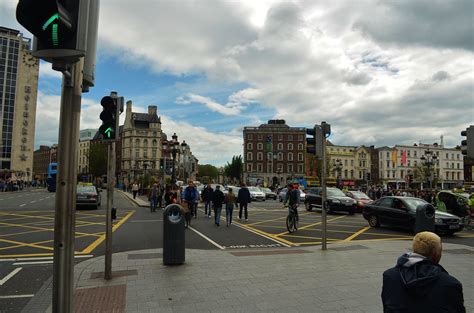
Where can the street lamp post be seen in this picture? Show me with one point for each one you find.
(174, 150)
(338, 168)
(429, 159)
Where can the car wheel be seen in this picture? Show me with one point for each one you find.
(374, 221)
(351, 211)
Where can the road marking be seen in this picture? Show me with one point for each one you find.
(13, 273)
(33, 201)
(102, 237)
(23, 204)
(27, 244)
(145, 221)
(16, 296)
(357, 234)
(311, 225)
(207, 238)
(272, 237)
(43, 258)
(33, 263)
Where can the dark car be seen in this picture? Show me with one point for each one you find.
(361, 198)
(401, 212)
(88, 196)
(336, 200)
(268, 193)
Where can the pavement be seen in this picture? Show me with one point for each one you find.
(347, 277)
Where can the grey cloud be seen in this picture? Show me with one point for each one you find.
(357, 78)
(433, 23)
(440, 76)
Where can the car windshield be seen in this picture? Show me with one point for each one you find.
(254, 189)
(360, 195)
(85, 189)
(413, 203)
(265, 189)
(334, 192)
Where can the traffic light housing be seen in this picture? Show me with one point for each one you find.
(314, 145)
(162, 164)
(109, 129)
(467, 145)
(59, 27)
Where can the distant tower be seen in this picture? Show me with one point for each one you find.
(441, 140)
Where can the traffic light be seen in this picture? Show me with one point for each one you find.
(109, 116)
(162, 164)
(467, 145)
(367, 176)
(59, 27)
(314, 145)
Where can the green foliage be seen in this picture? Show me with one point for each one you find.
(234, 169)
(208, 170)
(98, 159)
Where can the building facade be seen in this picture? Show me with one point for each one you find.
(85, 137)
(348, 165)
(41, 159)
(141, 147)
(273, 153)
(18, 92)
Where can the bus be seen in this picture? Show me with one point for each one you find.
(51, 180)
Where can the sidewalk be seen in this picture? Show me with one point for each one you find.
(141, 201)
(345, 278)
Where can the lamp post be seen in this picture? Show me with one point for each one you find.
(430, 160)
(145, 165)
(338, 168)
(174, 150)
(183, 153)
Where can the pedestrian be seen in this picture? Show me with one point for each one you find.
(217, 200)
(206, 195)
(170, 195)
(230, 200)
(243, 198)
(160, 196)
(134, 189)
(190, 198)
(418, 283)
(153, 197)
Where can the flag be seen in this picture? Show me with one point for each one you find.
(404, 158)
(394, 156)
(268, 144)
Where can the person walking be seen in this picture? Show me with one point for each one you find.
(243, 198)
(153, 197)
(191, 199)
(170, 196)
(206, 195)
(230, 200)
(418, 283)
(217, 200)
(135, 189)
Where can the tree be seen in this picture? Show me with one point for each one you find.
(234, 169)
(98, 159)
(208, 170)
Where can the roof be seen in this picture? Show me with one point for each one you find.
(145, 117)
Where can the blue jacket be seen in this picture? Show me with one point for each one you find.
(191, 193)
(417, 285)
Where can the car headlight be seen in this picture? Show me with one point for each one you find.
(438, 221)
(336, 201)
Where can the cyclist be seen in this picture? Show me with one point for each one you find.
(293, 198)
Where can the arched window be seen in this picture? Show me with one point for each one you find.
(290, 146)
(137, 143)
(155, 142)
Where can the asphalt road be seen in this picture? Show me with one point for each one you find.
(27, 228)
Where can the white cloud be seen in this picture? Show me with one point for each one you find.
(45, 70)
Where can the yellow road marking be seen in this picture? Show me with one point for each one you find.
(267, 234)
(26, 244)
(357, 233)
(37, 216)
(311, 225)
(99, 240)
(21, 233)
(35, 243)
(304, 237)
(90, 214)
(275, 219)
(42, 228)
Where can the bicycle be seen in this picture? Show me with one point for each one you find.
(292, 220)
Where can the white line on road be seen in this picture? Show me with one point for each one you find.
(23, 204)
(207, 238)
(33, 263)
(33, 201)
(42, 258)
(16, 296)
(13, 273)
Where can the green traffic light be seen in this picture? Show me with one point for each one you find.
(50, 20)
(108, 132)
(54, 29)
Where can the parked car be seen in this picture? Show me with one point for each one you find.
(282, 194)
(268, 193)
(401, 212)
(336, 200)
(88, 195)
(235, 189)
(256, 193)
(361, 199)
(454, 203)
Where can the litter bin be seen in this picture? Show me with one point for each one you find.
(425, 218)
(173, 235)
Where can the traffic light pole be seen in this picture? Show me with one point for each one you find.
(110, 203)
(324, 195)
(65, 214)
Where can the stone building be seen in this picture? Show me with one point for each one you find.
(85, 137)
(348, 165)
(273, 153)
(18, 92)
(41, 159)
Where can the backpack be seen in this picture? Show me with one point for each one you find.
(189, 196)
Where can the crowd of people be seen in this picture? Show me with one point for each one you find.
(17, 184)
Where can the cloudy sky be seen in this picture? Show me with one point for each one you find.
(380, 72)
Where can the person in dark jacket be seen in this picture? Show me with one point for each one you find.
(243, 198)
(217, 201)
(206, 195)
(418, 284)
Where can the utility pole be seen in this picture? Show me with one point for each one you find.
(324, 193)
(110, 204)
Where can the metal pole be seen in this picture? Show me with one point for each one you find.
(324, 195)
(110, 203)
(65, 214)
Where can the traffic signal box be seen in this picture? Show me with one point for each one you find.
(314, 145)
(467, 145)
(59, 27)
(108, 131)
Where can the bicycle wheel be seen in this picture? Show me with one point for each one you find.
(290, 223)
(295, 222)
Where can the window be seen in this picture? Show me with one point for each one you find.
(280, 156)
(290, 137)
(154, 153)
(249, 156)
(352, 162)
(414, 153)
(300, 137)
(259, 156)
(345, 162)
(290, 146)
(154, 142)
(280, 168)
(300, 168)
(457, 155)
(408, 162)
(300, 156)
(280, 146)
(249, 136)
(260, 167)
(290, 156)
(360, 174)
(388, 164)
(249, 167)
(458, 166)
(452, 165)
(300, 146)
(259, 137)
(290, 168)
(388, 155)
(352, 173)
(269, 168)
(447, 155)
(249, 146)
(280, 137)
(408, 153)
(345, 173)
(259, 146)
(137, 153)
